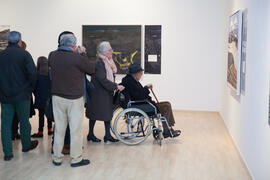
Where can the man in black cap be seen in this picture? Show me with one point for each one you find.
(137, 92)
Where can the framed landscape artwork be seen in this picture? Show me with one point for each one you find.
(234, 52)
(4, 30)
(244, 51)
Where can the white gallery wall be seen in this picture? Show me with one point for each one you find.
(191, 36)
(194, 55)
(247, 116)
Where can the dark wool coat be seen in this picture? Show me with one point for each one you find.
(135, 90)
(18, 75)
(100, 106)
(42, 91)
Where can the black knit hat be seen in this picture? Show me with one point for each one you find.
(134, 69)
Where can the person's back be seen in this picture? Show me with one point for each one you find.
(43, 89)
(42, 94)
(67, 70)
(18, 74)
(17, 81)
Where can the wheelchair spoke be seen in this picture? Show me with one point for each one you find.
(132, 126)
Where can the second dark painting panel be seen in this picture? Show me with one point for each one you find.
(152, 54)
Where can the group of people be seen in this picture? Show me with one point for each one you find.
(62, 77)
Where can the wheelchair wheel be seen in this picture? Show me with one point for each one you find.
(160, 138)
(132, 126)
(115, 113)
(155, 133)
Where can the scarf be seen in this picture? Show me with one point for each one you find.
(64, 48)
(109, 66)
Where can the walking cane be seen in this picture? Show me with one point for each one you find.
(154, 95)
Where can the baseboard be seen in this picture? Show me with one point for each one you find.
(238, 149)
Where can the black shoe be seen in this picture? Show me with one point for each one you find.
(33, 145)
(8, 158)
(174, 134)
(111, 139)
(176, 130)
(16, 136)
(93, 138)
(83, 162)
(57, 163)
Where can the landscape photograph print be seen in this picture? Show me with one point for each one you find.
(234, 52)
(4, 30)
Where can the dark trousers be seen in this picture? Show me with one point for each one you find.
(41, 114)
(107, 125)
(67, 136)
(165, 110)
(8, 110)
(15, 125)
(15, 122)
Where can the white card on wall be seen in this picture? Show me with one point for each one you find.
(152, 58)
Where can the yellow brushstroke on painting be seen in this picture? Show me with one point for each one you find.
(117, 53)
(132, 55)
(125, 59)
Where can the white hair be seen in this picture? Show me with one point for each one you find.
(103, 47)
(68, 40)
(14, 37)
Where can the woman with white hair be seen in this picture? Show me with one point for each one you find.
(100, 106)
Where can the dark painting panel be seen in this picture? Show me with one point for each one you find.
(124, 39)
(152, 55)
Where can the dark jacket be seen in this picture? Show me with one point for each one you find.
(68, 70)
(100, 106)
(18, 75)
(135, 90)
(42, 91)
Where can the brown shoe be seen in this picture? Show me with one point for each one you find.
(66, 149)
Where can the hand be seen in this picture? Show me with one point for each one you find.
(81, 50)
(120, 87)
(150, 86)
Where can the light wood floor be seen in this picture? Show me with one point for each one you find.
(205, 151)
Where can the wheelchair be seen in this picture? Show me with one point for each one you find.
(134, 121)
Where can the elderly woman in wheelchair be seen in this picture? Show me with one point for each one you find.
(140, 115)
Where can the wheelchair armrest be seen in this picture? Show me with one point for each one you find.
(145, 101)
(139, 101)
